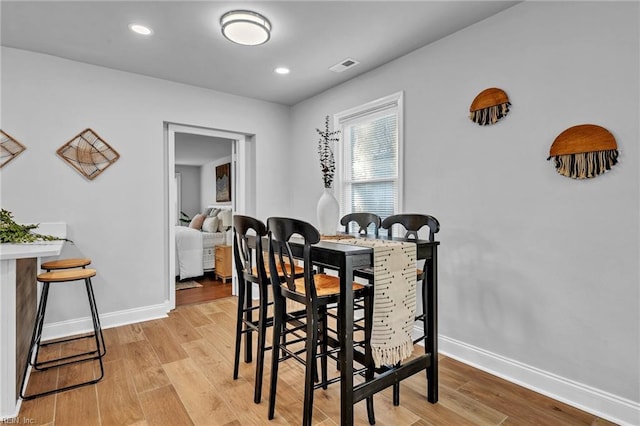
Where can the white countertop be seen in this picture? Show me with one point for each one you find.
(38, 248)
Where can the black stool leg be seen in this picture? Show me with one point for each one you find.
(36, 336)
(102, 348)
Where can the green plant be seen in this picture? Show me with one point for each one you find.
(327, 161)
(12, 232)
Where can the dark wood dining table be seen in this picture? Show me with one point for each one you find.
(344, 258)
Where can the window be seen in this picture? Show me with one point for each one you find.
(370, 166)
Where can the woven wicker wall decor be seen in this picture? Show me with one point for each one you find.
(489, 106)
(9, 148)
(88, 153)
(584, 151)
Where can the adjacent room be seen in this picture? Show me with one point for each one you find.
(203, 211)
(144, 134)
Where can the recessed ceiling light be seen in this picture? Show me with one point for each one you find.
(140, 29)
(282, 70)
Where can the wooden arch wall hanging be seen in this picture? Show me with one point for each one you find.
(88, 153)
(9, 148)
(584, 151)
(489, 106)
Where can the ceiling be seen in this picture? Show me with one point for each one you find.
(188, 47)
(197, 150)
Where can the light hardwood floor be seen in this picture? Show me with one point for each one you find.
(178, 371)
(212, 288)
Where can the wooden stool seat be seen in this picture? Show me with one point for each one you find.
(66, 275)
(66, 263)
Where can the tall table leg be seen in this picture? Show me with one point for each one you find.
(432, 319)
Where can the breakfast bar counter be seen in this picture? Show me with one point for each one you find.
(18, 302)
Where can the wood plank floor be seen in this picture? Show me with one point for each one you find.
(178, 371)
(212, 288)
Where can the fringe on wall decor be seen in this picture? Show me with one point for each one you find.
(88, 153)
(9, 148)
(584, 151)
(489, 106)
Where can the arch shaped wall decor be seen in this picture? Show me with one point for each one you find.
(584, 151)
(489, 106)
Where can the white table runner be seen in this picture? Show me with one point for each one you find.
(394, 303)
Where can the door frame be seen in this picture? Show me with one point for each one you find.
(239, 202)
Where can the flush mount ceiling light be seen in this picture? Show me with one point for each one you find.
(245, 27)
(140, 29)
(282, 70)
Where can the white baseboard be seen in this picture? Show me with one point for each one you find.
(595, 401)
(62, 329)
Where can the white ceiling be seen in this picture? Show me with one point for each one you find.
(196, 150)
(188, 47)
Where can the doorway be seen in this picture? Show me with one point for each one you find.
(238, 172)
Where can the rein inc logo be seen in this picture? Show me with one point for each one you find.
(17, 421)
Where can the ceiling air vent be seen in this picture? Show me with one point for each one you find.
(343, 65)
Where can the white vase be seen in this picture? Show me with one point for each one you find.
(328, 211)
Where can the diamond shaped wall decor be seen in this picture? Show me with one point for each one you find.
(9, 148)
(88, 153)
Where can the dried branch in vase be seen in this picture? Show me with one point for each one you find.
(327, 160)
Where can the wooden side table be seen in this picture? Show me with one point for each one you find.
(223, 262)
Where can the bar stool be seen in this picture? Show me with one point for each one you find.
(63, 276)
(66, 264)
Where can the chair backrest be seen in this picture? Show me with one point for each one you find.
(280, 231)
(363, 220)
(412, 223)
(243, 252)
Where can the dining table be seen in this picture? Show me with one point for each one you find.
(345, 258)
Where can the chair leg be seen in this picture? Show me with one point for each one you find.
(262, 331)
(248, 317)
(311, 350)
(239, 315)
(368, 352)
(278, 315)
(323, 330)
(425, 319)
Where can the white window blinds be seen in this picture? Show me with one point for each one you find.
(371, 147)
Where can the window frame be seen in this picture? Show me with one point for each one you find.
(365, 112)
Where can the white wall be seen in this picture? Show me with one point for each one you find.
(190, 189)
(118, 219)
(208, 182)
(538, 273)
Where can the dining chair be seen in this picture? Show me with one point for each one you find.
(412, 224)
(316, 292)
(364, 220)
(250, 268)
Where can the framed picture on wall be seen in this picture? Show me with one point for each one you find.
(223, 182)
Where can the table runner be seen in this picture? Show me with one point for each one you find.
(394, 306)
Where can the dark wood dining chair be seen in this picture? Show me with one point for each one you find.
(411, 224)
(250, 268)
(315, 291)
(363, 220)
(249, 260)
